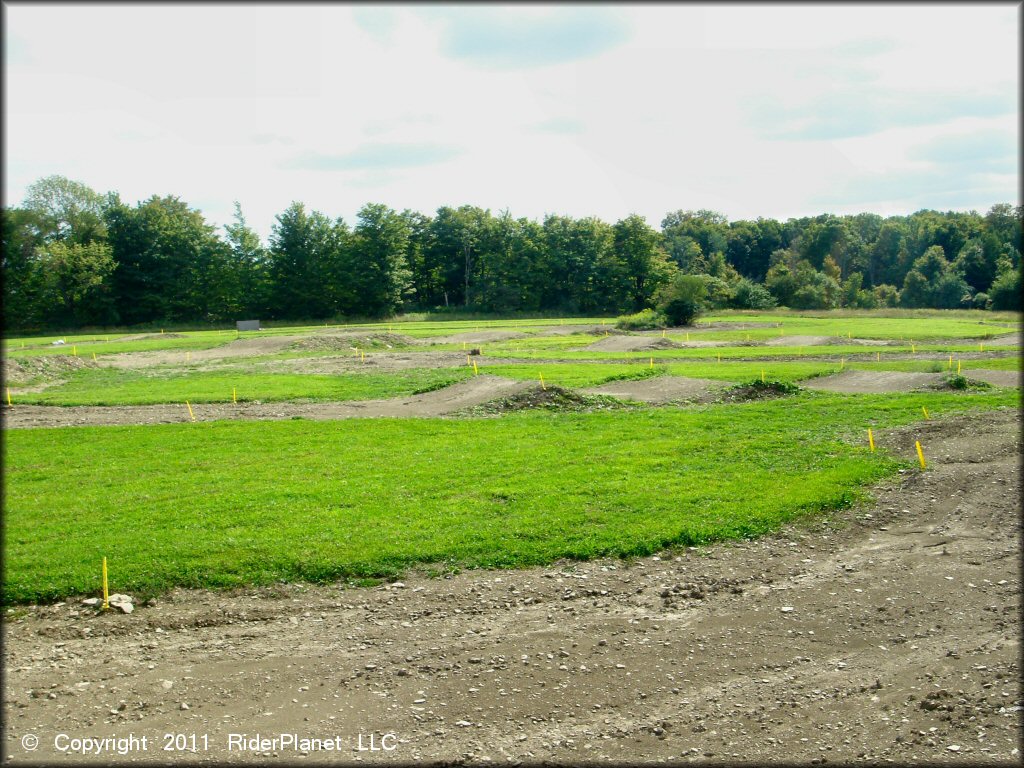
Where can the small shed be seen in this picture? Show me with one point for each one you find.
(248, 325)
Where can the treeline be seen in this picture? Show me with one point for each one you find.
(73, 257)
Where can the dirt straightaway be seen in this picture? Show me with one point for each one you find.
(659, 389)
(875, 381)
(472, 391)
(251, 347)
(885, 632)
(994, 377)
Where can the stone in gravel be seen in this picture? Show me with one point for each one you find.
(91, 601)
(786, 609)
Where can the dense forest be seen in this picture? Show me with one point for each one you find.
(73, 257)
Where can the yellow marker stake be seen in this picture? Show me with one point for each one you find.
(663, 334)
(161, 330)
(878, 357)
(475, 370)
(94, 357)
(920, 453)
(542, 385)
(687, 335)
(981, 347)
(9, 403)
(652, 362)
(188, 356)
(950, 366)
(842, 363)
(191, 415)
(913, 348)
(468, 361)
(849, 335)
(74, 351)
(762, 376)
(719, 357)
(234, 397)
(871, 441)
(957, 367)
(106, 591)
(924, 411)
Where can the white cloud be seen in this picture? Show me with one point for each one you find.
(676, 107)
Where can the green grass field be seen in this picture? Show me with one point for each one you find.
(217, 504)
(228, 503)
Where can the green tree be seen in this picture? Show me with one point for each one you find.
(75, 285)
(646, 265)
(682, 299)
(378, 272)
(1005, 292)
(66, 210)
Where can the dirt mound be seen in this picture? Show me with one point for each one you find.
(758, 390)
(629, 343)
(572, 330)
(875, 381)
(803, 341)
(148, 336)
(24, 371)
(994, 377)
(475, 337)
(551, 398)
(658, 389)
(346, 342)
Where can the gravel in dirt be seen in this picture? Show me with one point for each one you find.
(440, 402)
(886, 632)
(659, 389)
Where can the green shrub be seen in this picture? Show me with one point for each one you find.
(683, 299)
(644, 320)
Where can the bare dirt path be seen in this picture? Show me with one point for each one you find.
(252, 347)
(875, 381)
(472, 391)
(886, 632)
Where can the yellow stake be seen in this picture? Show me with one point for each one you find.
(362, 356)
(74, 351)
(188, 356)
(871, 441)
(542, 385)
(106, 591)
(950, 366)
(94, 357)
(878, 357)
(468, 361)
(663, 334)
(913, 349)
(162, 330)
(234, 397)
(687, 335)
(762, 376)
(9, 403)
(920, 453)
(475, 370)
(652, 362)
(849, 335)
(958, 367)
(842, 363)
(925, 411)
(981, 347)
(719, 357)
(191, 415)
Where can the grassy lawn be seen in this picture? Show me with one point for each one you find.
(228, 503)
(111, 386)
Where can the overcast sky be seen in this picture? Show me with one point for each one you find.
(604, 110)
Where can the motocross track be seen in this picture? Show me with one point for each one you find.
(890, 631)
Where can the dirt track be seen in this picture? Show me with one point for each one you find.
(660, 389)
(472, 391)
(890, 632)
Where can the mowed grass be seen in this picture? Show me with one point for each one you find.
(221, 504)
(111, 386)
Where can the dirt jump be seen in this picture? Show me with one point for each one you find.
(885, 632)
(658, 389)
(626, 343)
(875, 381)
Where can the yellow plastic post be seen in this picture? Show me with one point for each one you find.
(234, 397)
(981, 347)
(950, 366)
(74, 350)
(958, 367)
(849, 335)
(719, 357)
(468, 361)
(94, 357)
(924, 411)
(362, 356)
(663, 334)
(878, 357)
(913, 348)
(871, 440)
(106, 591)
(542, 384)
(188, 356)
(652, 362)
(9, 403)
(842, 363)
(920, 453)
(162, 330)
(762, 375)
(687, 335)
(475, 369)
(191, 415)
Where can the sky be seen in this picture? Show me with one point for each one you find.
(603, 110)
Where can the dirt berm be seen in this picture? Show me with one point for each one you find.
(890, 632)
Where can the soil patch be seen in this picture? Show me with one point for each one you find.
(245, 347)
(658, 389)
(572, 330)
(899, 619)
(803, 341)
(150, 336)
(876, 381)
(350, 341)
(994, 377)
(757, 390)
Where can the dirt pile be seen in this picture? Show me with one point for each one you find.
(631, 343)
(474, 337)
(346, 342)
(757, 390)
(658, 389)
(41, 369)
(550, 398)
(875, 381)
